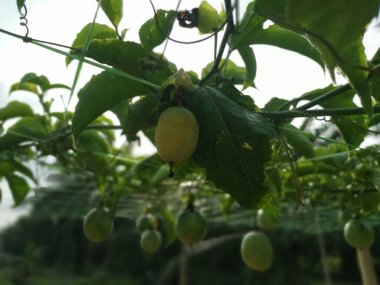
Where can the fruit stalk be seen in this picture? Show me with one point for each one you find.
(366, 268)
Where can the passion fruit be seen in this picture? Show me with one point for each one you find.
(191, 227)
(150, 241)
(266, 221)
(256, 251)
(98, 224)
(176, 135)
(358, 234)
(146, 222)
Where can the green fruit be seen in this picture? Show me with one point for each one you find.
(208, 18)
(146, 222)
(358, 235)
(176, 135)
(191, 227)
(98, 224)
(150, 241)
(256, 251)
(265, 220)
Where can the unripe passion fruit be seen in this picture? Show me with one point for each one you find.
(209, 20)
(265, 220)
(256, 251)
(98, 224)
(176, 135)
(150, 241)
(191, 227)
(358, 234)
(146, 222)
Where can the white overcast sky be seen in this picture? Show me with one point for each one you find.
(280, 73)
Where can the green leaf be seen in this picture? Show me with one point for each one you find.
(141, 115)
(25, 86)
(169, 222)
(26, 129)
(153, 34)
(251, 32)
(100, 94)
(15, 109)
(375, 88)
(233, 145)
(19, 188)
(42, 81)
(127, 56)
(285, 39)
(20, 4)
(335, 27)
(355, 56)
(113, 10)
(249, 59)
(275, 104)
(299, 140)
(99, 31)
(230, 70)
(92, 150)
(352, 128)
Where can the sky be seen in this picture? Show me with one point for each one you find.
(280, 73)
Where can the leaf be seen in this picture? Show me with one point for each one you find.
(275, 104)
(25, 86)
(15, 109)
(100, 94)
(26, 129)
(251, 32)
(230, 70)
(169, 222)
(42, 81)
(127, 56)
(20, 4)
(19, 188)
(233, 145)
(113, 9)
(155, 31)
(99, 31)
(355, 56)
(141, 115)
(299, 140)
(335, 27)
(352, 128)
(249, 59)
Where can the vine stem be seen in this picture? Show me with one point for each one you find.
(229, 30)
(279, 115)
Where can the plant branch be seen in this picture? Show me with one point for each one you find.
(279, 115)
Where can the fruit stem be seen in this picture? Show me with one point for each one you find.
(366, 266)
(171, 173)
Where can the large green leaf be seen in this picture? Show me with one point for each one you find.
(26, 129)
(15, 109)
(335, 27)
(99, 31)
(154, 31)
(251, 32)
(141, 115)
(19, 188)
(100, 94)
(113, 10)
(352, 128)
(233, 145)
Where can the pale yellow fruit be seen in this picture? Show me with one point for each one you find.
(176, 135)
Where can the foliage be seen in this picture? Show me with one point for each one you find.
(256, 157)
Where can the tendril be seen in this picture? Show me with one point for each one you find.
(24, 22)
